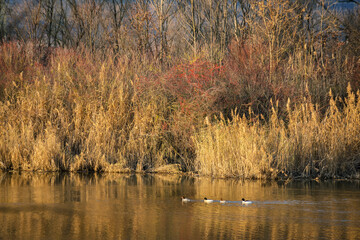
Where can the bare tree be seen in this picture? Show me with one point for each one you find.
(118, 10)
(351, 28)
(49, 13)
(33, 27)
(192, 21)
(164, 10)
(140, 19)
(87, 21)
(212, 14)
(3, 13)
(225, 34)
(241, 14)
(276, 23)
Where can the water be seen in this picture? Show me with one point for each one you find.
(73, 206)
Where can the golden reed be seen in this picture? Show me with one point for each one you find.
(86, 113)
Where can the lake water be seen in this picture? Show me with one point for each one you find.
(115, 206)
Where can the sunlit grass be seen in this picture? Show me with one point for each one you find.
(304, 144)
(93, 112)
(82, 115)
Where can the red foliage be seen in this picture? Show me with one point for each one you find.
(193, 84)
(17, 59)
(191, 79)
(247, 74)
(355, 76)
(250, 82)
(246, 60)
(79, 61)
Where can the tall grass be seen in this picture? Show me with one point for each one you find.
(76, 114)
(306, 143)
(86, 111)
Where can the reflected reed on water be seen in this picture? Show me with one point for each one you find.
(118, 206)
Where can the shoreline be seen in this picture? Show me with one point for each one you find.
(162, 172)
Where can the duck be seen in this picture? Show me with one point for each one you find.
(208, 200)
(246, 202)
(184, 199)
(222, 200)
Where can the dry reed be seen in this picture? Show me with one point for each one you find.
(305, 144)
(88, 112)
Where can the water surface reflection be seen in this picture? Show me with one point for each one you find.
(115, 206)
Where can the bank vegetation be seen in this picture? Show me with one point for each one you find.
(250, 89)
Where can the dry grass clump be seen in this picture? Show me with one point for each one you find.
(79, 114)
(305, 144)
(232, 149)
(47, 154)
